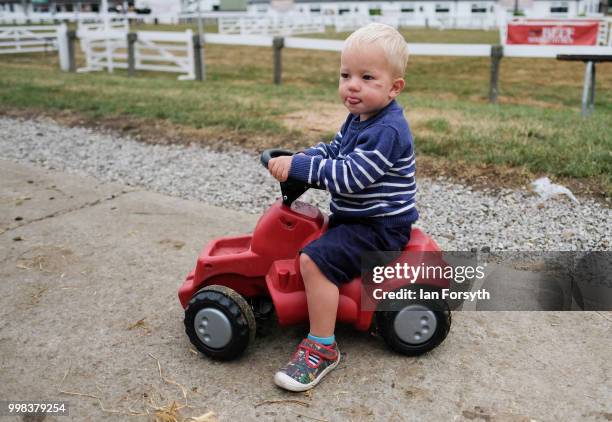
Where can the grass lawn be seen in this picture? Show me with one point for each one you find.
(535, 129)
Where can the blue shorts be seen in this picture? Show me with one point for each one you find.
(338, 251)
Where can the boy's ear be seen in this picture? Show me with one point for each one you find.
(397, 87)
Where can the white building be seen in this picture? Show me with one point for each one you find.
(456, 13)
(569, 8)
(447, 13)
(530, 8)
(165, 11)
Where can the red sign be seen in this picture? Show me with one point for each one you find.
(553, 32)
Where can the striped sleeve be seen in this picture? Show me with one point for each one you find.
(326, 150)
(375, 153)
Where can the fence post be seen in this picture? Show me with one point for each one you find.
(497, 52)
(203, 55)
(72, 36)
(197, 57)
(588, 90)
(131, 40)
(62, 47)
(278, 43)
(65, 47)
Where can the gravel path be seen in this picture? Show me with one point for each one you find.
(456, 216)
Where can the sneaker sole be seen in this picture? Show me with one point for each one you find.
(285, 381)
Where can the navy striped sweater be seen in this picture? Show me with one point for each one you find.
(369, 168)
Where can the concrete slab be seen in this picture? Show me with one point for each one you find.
(517, 290)
(88, 308)
(29, 193)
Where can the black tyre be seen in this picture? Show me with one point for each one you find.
(413, 327)
(219, 322)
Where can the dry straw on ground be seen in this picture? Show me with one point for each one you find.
(153, 404)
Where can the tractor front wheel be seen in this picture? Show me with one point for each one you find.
(219, 322)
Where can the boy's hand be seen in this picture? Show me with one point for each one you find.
(279, 167)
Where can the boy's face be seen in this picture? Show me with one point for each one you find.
(366, 81)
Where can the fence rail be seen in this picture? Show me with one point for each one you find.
(313, 44)
(97, 26)
(28, 39)
(269, 25)
(415, 49)
(251, 40)
(20, 18)
(552, 51)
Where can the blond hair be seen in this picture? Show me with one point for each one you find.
(387, 38)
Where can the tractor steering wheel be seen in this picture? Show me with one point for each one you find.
(269, 154)
(291, 189)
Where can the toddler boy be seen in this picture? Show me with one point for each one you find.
(369, 170)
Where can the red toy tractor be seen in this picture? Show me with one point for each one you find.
(237, 279)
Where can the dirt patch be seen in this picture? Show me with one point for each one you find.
(502, 99)
(319, 120)
(445, 96)
(495, 178)
(421, 116)
(476, 175)
(518, 100)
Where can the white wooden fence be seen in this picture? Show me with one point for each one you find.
(153, 51)
(86, 28)
(486, 22)
(20, 18)
(270, 25)
(28, 39)
(103, 50)
(166, 52)
(420, 49)
(351, 22)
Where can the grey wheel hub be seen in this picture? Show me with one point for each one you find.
(415, 324)
(213, 328)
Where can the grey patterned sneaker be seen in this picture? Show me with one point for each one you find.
(309, 364)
